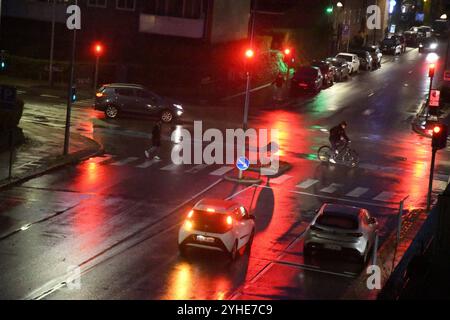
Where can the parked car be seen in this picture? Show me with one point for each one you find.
(376, 54)
(440, 28)
(429, 44)
(365, 58)
(352, 60)
(341, 68)
(327, 70)
(342, 229)
(307, 79)
(120, 98)
(216, 224)
(424, 31)
(391, 45)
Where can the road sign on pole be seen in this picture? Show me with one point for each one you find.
(435, 98)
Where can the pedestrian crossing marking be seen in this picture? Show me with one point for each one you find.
(170, 167)
(357, 192)
(125, 161)
(221, 171)
(197, 168)
(147, 164)
(332, 188)
(385, 196)
(100, 160)
(280, 179)
(307, 183)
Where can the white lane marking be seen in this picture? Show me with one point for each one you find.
(197, 168)
(280, 179)
(307, 183)
(170, 167)
(98, 160)
(124, 161)
(332, 188)
(384, 196)
(146, 164)
(368, 112)
(221, 171)
(371, 94)
(439, 185)
(21, 92)
(48, 96)
(357, 192)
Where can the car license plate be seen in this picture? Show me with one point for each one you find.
(332, 247)
(205, 239)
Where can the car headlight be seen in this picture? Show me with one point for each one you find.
(178, 106)
(433, 46)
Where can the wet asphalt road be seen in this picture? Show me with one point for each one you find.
(117, 217)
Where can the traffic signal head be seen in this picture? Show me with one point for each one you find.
(249, 53)
(98, 49)
(287, 51)
(329, 10)
(73, 94)
(431, 70)
(440, 133)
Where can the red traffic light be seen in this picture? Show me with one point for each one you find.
(249, 53)
(98, 49)
(431, 69)
(440, 133)
(437, 129)
(287, 51)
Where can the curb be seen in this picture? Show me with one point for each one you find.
(242, 181)
(61, 161)
(284, 167)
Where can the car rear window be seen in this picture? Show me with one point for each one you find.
(338, 220)
(210, 222)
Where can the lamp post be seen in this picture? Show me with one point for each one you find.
(98, 50)
(70, 91)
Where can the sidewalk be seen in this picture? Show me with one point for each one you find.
(42, 152)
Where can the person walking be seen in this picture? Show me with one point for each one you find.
(278, 82)
(156, 142)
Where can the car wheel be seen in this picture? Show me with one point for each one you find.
(250, 241)
(111, 111)
(233, 254)
(183, 250)
(167, 116)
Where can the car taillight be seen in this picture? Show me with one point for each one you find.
(99, 94)
(188, 225)
(355, 234)
(229, 220)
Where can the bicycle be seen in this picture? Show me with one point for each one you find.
(346, 155)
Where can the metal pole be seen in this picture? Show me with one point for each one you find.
(69, 94)
(52, 44)
(430, 183)
(96, 72)
(11, 151)
(375, 250)
(429, 98)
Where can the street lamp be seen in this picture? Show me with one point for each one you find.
(98, 51)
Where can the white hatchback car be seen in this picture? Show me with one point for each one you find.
(352, 61)
(217, 224)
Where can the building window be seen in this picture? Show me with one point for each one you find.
(129, 5)
(190, 9)
(97, 3)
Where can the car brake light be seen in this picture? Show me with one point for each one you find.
(99, 94)
(190, 214)
(188, 225)
(210, 210)
(229, 220)
(355, 234)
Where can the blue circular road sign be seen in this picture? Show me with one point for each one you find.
(243, 163)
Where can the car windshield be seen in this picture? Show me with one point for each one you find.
(345, 57)
(338, 220)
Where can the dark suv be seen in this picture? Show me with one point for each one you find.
(118, 98)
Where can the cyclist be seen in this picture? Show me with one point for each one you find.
(338, 139)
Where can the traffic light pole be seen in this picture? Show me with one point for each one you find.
(430, 183)
(97, 60)
(69, 95)
(429, 98)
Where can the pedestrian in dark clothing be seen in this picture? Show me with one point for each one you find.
(156, 142)
(278, 82)
(338, 139)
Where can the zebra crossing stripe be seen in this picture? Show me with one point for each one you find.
(146, 164)
(197, 168)
(384, 196)
(357, 192)
(221, 171)
(332, 188)
(280, 179)
(100, 160)
(307, 183)
(124, 161)
(170, 167)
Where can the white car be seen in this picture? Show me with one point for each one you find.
(216, 224)
(352, 61)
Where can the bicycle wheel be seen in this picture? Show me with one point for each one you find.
(324, 154)
(351, 158)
